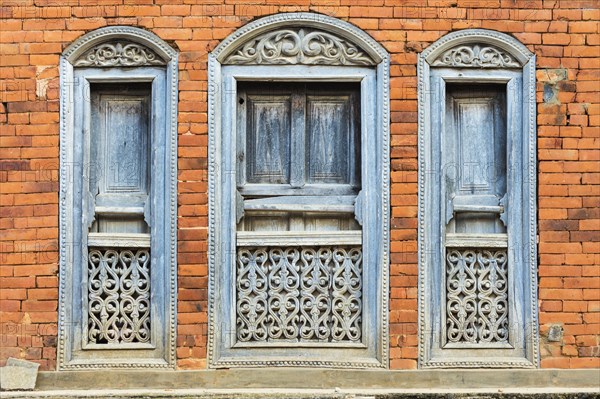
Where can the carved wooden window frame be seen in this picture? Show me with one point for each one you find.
(236, 59)
(117, 54)
(479, 56)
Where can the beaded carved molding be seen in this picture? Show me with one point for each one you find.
(299, 46)
(122, 53)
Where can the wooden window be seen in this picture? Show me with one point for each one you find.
(298, 136)
(298, 171)
(118, 226)
(298, 202)
(477, 203)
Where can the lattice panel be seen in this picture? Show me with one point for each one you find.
(299, 294)
(476, 296)
(118, 296)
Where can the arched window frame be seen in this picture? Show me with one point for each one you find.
(155, 62)
(513, 65)
(374, 80)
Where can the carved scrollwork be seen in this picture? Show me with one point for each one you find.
(299, 46)
(118, 296)
(476, 296)
(119, 54)
(315, 300)
(299, 294)
(477, 57)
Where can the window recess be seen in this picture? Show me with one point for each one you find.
(298, 176)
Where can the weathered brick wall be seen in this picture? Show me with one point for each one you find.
(563, 34)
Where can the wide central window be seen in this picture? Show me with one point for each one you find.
(298, 202)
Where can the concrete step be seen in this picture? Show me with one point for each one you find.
(297, 383)
(537, 393)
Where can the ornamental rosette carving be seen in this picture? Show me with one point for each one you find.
(288, 46)
(476, 56)
(121, 54)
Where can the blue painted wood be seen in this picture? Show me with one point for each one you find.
(321, 122)
(471, 117)
(146, 193)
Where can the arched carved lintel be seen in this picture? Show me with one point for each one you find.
(120, 34)
(477, 48)
(476, 56)
(309, 22)
(119, 54)
(299, 46)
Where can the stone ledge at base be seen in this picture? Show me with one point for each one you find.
(314, 383)
(525, 393)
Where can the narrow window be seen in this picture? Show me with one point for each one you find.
(474, 186)
(477, 203)
(118, 191)
(119, 254)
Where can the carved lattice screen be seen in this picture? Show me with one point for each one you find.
(476, 296)
(118, 296)
(299, 294)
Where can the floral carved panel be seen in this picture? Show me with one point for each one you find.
(476, 56)
(476, 296)
(118, 54)
(299, 46)
(118, 296)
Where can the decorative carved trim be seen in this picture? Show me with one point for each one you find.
(476, 56)
(422, 87)
(468, 363)
(120, 53)
(501, 41)
(297, 363)
(380, 60)
(299, 46)
(305, 20)
(107, 365)
(531, 189)
(170, 56)
(121, 33)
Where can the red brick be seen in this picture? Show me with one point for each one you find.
(563, 34)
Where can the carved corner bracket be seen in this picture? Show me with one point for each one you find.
(119, 54)
(299, 46)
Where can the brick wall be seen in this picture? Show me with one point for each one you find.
(562, 33)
